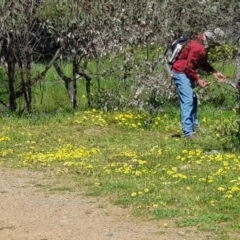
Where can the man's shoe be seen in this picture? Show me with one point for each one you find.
(192, 137)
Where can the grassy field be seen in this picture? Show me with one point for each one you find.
(138, 160)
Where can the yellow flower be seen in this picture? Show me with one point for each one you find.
(235, 189)
(134, 194)
(90, 166)
(225, 164)
(108, 171)
(146, 190)
(165, 225)
(212, 203)
(221, 189)
(138, 173)
(169, 172)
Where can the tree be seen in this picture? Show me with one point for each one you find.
(81, 31)
(22, 36)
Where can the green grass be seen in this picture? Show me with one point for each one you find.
(135, 159)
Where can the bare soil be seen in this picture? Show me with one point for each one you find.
(31, 212)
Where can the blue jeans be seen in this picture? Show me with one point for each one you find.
(188, 103)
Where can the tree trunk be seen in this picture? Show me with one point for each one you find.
(88, 90)
(28, 84)
(67, 82)
(11, 73)
(75, 69)
(11, 80)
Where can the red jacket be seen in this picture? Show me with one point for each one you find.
(193, 57)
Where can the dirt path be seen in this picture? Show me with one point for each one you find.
(30, 213)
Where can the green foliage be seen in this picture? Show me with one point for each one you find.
(224, 52)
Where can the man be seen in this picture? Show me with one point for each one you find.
(185, 76)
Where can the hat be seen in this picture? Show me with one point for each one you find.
(215, 36)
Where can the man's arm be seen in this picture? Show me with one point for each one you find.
(206, 66)
(194, 60)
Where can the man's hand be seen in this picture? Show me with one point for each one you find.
(202, 83)
(219, 76)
